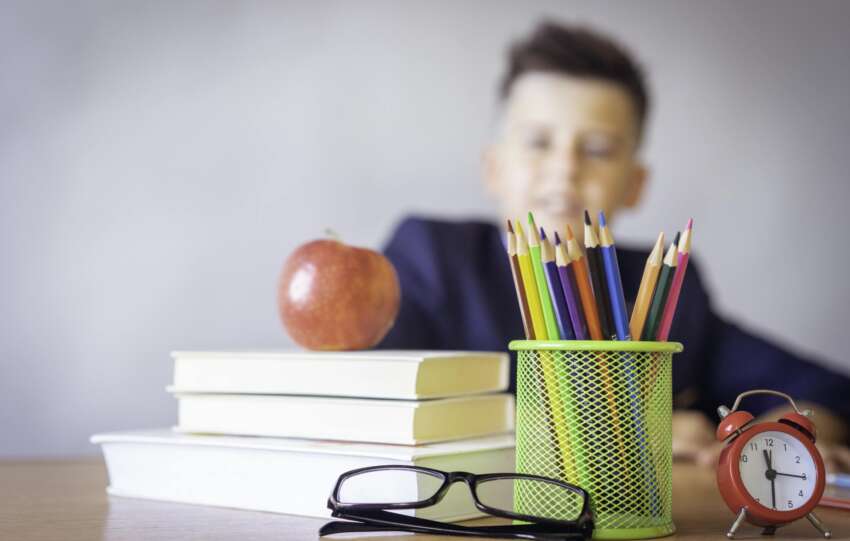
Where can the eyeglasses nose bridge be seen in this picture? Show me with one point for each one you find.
(464, 476)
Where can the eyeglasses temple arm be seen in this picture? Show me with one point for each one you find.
(389, 521)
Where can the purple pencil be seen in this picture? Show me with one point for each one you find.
(562, 315)
(570, 287)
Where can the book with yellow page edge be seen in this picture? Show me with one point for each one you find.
(401, 374)
(403, 422)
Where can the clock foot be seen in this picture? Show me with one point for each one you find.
(737, 524)
(769, 530)
(819, 525)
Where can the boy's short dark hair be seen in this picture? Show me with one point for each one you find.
(577, 51)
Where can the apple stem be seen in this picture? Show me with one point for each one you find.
(332, 234)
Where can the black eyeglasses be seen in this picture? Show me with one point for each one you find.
(551, 509)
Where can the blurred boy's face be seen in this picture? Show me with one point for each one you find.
(566, 144)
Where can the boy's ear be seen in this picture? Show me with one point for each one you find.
(637, 183)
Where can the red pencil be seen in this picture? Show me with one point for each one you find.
(676, 286)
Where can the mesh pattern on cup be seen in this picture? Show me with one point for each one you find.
(600, 420)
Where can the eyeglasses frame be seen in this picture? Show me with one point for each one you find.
(539, 528)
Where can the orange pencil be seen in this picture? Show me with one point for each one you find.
(588, 303)
(647, 287)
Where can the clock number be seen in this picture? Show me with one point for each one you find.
(753, 447)
(768, 442)
(786, 447)
(801, 493)
(744, 458)
(797, 459)
(790, 504)
(804, 477)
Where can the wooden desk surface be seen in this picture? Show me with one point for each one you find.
(45, 500)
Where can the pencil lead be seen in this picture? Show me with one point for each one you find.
(602, 222)
(519, 231)
(690, 224)
(510, 227)
(676, 240)
(542, 234)
(531, 220)
(587, 217)
(557, 239)
(570, 235)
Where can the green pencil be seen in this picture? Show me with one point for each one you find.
(540, 276)
(659, 299)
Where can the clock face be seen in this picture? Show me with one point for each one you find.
(777, 470)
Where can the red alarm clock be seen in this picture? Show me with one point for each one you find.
(769, 473)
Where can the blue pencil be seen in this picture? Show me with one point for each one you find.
(615, 284)
(621, 324)
(562, 316)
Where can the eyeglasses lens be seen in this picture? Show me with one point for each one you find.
(536, 498)
(389, 486)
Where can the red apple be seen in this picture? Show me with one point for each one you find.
(335, 297)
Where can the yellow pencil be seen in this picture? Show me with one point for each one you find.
(555, 406)
(529, 283)
(647, 288)
(540, 277)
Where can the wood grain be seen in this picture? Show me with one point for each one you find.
(47, 500)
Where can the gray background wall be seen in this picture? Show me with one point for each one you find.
(158, 161)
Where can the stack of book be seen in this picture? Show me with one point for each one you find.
(272, 431)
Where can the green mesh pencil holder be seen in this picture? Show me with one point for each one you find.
(598, 414)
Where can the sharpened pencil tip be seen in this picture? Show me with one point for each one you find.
(676, 240)
(602, 222)
(587, 217)
(557, 239)
(518, 230)
(542, 234)
(570, 235)
(690, 224)
(510, 227)
(531, 219)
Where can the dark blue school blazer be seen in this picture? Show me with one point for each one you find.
(458, 294)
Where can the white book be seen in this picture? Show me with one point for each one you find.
(403, 422)
(284, 475)
(408, 374)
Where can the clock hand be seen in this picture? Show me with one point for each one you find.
(773, 491)
(766, 458)
(772, 478)
(791, 475)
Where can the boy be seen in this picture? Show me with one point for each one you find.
(574, 109)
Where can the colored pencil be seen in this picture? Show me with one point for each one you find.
(529, 284)
(615, 284)
(647, 287)
(568, 283)
(579, 266)
(659, 298)
(597, 278)
(540, 278)
(588, 304)
(676, 285)
(552, 385)
(631, 371)
(559, 305)
(522, 301)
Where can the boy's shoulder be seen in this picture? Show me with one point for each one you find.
(427, 232)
